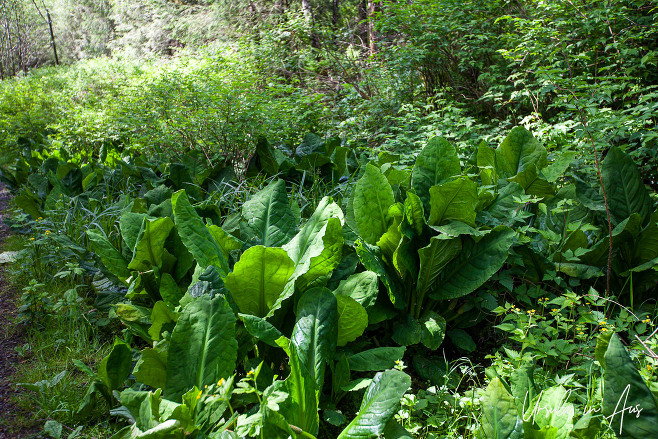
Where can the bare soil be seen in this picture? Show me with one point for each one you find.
(11, 335)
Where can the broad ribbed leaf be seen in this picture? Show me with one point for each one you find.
(269, 214)
(487, 164)
(376, 359)
(130, 224)
(225, 241)
(362, 287)
(304, 395)
(259, 278)
(115, 368)
(372, 198)
(455, 200)
(261, 329)
(436, 163)
(407, 331)
(315, 332)
(433, 330)
(414, 212)
(324, 263)
(309, 242)
(390, 240)
(110, 257)
(380, 402)
(370, 257)
(352, 319)
(500, 419)
(624, 388)
(533, 182)
(505, 202)
(194, 234)
(476, 263)
(151, 369)
(170, 291)
(433, 259)
(519, 151)
(150, 244)
(551, 411)
(624, 187)
(203, 347)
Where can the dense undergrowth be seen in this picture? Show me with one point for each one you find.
(449, 257)
(220, 300)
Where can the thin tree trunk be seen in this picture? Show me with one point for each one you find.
(253, 18)
(307, 9)
(19, 46)
(334, 13)
(52, 36)
(371, 27)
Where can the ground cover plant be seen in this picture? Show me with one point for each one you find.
(220, 302)
(350, 219)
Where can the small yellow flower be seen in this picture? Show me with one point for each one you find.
(220, 382)
(206, 386)
(47, 232)
(604, 329)
(199, 395)
(251, 372)
(554, 310)
(31, 239)
(649, 367)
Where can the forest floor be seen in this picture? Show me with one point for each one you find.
(11, 336)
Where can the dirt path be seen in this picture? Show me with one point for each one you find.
(10, 337)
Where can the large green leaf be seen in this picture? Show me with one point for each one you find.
(194, 234)
(269, 214)
(115, 368)
(203, 347)
(324, 263)
(436, 163)
(372, 198)
(370, 257)
(390, 240)
(312, 344)
(433, 330)
(352, 319)
(433, 259)
(533, 182)
(304, 395)
(550, 412)
(625, 394)
(379, 404)
(261, 329)
(150, 244)
(315, 331)
(225, 241)
(258, 279)
(476, 263)
(487, 164)
(519, 151)
(130, 225)
(505, 201)
(624, 187)
(414, 213)
(362, 287)
(376, 359)
(151, 369)
(110, 257)
(455, 200)
(500, 419)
